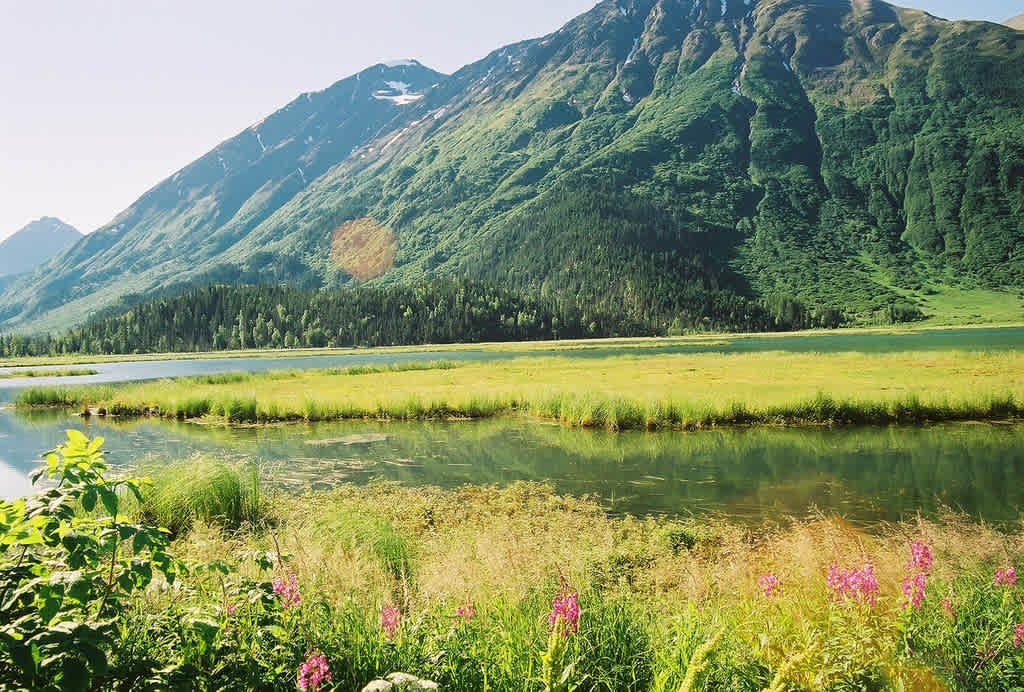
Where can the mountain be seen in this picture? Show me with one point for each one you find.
(34, 244)
(651, 156)
(1016, 22)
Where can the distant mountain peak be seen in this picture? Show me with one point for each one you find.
(34, 244)
(402, 62)
(1016, 22)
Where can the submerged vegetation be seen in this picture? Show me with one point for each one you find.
(486, 588)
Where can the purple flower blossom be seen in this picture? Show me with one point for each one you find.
(1006, 577)
(1018, 635)
(390, 620)
(231, 608)
(853, 584)
(314, 672)
(920, 557)
(565, 609)
(288, 591)
(913, 589)
(769, 584)
(465, 612)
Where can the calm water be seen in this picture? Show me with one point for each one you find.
(866, 474)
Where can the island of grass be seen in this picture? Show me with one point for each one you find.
(70, 372)
(643, 389)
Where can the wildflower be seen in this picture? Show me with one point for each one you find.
(314, 672)
(565, 608)
(857, 584)
(920, 557)
(231, 608)
(390, 619)
(465, 612)
(770, 584)
(913, 589)
(947, 605)
(1006, 577)
(288, 591)
(1018, 635)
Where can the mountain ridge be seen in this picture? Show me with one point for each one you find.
(33, 244)
(849, 155)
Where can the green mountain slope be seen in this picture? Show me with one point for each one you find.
(651, 157)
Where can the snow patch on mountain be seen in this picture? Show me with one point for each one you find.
(398, 93)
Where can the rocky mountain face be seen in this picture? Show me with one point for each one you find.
(34, 244)
(1016, 22)
(650, 155)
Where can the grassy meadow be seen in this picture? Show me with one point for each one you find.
(482, 588)
(971, 300)
(649, 390)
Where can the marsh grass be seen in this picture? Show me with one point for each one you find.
(202, 489)
(74, 372)
(676, 392)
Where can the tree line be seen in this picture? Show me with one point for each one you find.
(228, 317)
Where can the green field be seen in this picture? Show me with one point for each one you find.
(829, 339)
(638, 390)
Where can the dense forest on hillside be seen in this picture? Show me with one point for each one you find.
(653, 160)
(226, 317)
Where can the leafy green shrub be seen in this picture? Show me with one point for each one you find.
(69, 562)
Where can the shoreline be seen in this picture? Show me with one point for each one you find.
(554, 346)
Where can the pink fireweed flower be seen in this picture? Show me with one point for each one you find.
(920, 557)
(1006, 577)
(565, 607)
(314, 672)
(1018, 635)
(288, 591)
(465, 612)
(854, 584)
(231, 608)
(913, 589)
(769, 583)
(390, 619)
(947, 605)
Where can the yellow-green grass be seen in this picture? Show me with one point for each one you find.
(629, 391)
(76, 372)
(951, 305)
(701, 341)
(427, 551)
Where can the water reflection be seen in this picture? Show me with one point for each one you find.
(866, 474)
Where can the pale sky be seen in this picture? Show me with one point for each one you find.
(102, 99)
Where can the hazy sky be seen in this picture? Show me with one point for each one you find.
(101, 100)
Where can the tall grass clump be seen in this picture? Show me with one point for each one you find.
(63, 396)
(410, 366)
(203, 489)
